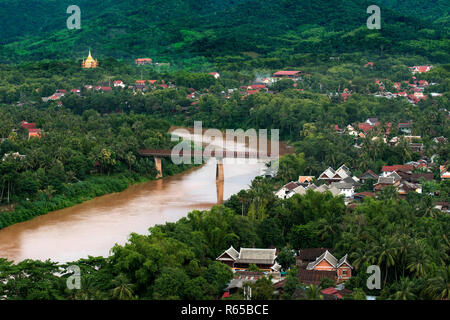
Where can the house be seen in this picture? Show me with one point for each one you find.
(384, 182)
(307, 255)
(287, 190)
(346, 94)
(423, 83)
(405, 127)
(361, 195)
(143, 61)
(369, 174)
(300, 190)
(305, 180)
(386, 170)
(327, 262)
(27, 125)
(369, 64)
(337, 129)
(372, 121)
(14, 155)
(264, 259)
(440, 139)
(417, 147)
(287, 74)
(345, 188)
(365, 127)
(216, 75)
(119, 83)
(239, 279)
(329, 175)
(405, 187)
(34, 133)
(332, 293)
(443, 206)
(420, 69)
(445, 174)
(105, 89)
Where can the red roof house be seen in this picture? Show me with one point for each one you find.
(27, 125)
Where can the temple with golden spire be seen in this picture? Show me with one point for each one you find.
(89, 63)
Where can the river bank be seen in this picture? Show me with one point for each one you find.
(76, 193)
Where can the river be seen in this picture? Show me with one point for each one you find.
(93, 227)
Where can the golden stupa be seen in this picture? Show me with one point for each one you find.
(89, 63)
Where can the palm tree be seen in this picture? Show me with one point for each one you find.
(439, 286)
(405, 292)
(404, 246)
(123, 290)
(313, 293)
(386, 255)
(418, 259)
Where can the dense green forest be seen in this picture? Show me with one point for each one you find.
(213, 29)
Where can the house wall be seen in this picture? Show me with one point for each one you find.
(340, 273)
(324, 266)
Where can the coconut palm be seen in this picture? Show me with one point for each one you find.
(123, 290)
(418, 259)
(313, 293)
(386, 253)
(405, 290)
(439, 286)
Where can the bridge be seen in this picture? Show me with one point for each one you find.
(158, 154)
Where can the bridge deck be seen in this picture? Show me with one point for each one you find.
(213, 154)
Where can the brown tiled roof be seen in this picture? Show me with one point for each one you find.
(314, 277)
(311, 254)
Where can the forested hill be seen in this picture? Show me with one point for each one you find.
(174, 30)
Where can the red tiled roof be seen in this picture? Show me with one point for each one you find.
(143, 60)
(405, 167)
(27, 125)
(257, 86)
(365, 127)
(286, 73)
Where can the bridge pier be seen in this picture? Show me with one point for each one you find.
(219, 186)
(219, 170)
(158, 166)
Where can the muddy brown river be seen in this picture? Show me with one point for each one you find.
(92, 228)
